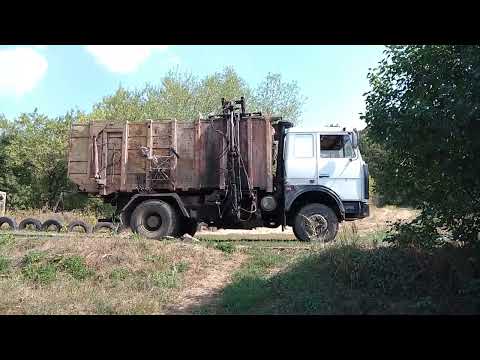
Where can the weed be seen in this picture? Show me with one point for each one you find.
(6, 239)
(119, 274)
(40, 273)
(33, 257)
(181, 266)
(165, 279)
(154, 258)
(76, 267)
(4, 264)
(136, 237)
(169, 278)
(225, 247)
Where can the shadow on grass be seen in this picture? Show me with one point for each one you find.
(348, 279)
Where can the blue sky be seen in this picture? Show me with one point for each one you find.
(55, 79)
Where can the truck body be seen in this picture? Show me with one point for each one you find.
(232, 170)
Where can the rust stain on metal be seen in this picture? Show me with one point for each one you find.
(199, 146)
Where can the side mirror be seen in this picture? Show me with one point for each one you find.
(355, 138)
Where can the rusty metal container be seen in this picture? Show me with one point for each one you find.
(170, 155)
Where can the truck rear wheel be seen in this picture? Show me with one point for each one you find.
(154, 219)
(316, 223)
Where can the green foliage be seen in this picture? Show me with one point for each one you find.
(76, 267)
(181, 266)
(119, 274)
(38, 267)
(37, 270)
(4, 264)
(6, 240)
(33, 159)
(277, 98)
(422, 111)
(186, 97)
(377, 158)
(225, 247)
(166, 279)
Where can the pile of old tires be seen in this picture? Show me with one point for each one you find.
(56, 225)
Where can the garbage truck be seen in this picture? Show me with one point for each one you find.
(234, 170)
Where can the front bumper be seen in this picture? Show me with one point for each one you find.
(356, 210)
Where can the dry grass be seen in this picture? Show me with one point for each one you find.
(124, 274)
(121, 275)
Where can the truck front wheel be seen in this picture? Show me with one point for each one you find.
(154, 219)
(315, 222)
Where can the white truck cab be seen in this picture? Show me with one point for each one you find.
(324, 166)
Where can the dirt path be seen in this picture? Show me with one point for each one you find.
(206, 290)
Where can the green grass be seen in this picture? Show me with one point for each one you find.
(42, 268)
(356, 275)
(119, 274)
(40, 273)
(225, 247)
(76, 267)
(248, 288)
(6, 240)
(4, 264)
(169, 278)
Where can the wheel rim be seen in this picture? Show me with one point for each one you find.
(152, 222)
(316, 226)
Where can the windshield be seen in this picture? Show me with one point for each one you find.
(336, 146)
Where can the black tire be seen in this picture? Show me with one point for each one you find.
(327, 223)
(78, 223)
(30, 221)
(52, 222)
(104, 225)
(10, 221)
(154, 219)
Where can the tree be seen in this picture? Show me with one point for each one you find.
(423, 109)
(33, 152)
(275, 97)
(184, 96)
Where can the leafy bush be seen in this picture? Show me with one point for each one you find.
(422, 114)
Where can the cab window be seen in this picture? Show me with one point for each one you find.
(303, 146)
(336, 146)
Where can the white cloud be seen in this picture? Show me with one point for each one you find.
(21, 69)
(40, 47)
(123, 58)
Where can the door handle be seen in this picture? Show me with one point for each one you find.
(324, 176)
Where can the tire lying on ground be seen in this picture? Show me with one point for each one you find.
(30, 221)
(154, 219)
(104, 225)
(10, 221)
(52, 222)
(78, 223)
(316, 222)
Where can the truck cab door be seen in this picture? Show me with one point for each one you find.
(339, 166)
(301, 159)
